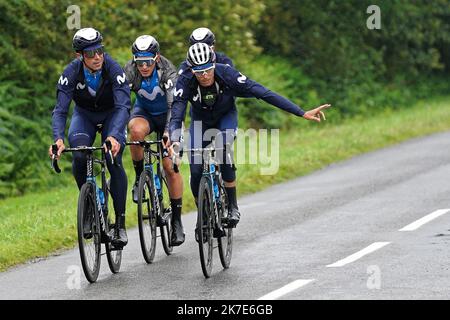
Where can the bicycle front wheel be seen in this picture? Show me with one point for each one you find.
(225, 243)
(147, 213)
(89, 238)
(166, 212)
(114, 256)
(205, 226)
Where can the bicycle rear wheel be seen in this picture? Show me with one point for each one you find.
(166, 212)
(205, 226)
(225, 243)
(89, 238)
(147, 214)
(114, 256)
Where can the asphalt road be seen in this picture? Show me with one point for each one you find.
(338, 233)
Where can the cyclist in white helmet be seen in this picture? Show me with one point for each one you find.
(211, 88)
(153, 77)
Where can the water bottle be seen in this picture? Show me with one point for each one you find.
(101, 196)
(157, 184)
(216, 190)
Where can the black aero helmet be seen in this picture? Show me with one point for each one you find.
(86, 37)
(145, 44)
(202, 35)
(200, 54)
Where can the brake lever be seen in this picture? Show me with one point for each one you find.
(109, 147)
(54, 161)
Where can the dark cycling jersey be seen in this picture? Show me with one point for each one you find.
(154, 95)
(231, 84)
(112, 94)
(150, 96)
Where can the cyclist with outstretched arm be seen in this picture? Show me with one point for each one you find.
(211, 89)
(101, 93)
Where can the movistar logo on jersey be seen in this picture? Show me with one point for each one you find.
(242, 78)
(195, 98)
(121, 79)
(80, 86)
(63, 81)
(168, 84)
(151, 95)
(178, 93)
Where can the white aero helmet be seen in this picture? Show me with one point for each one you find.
(200, 54)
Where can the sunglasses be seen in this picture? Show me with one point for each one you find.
(91, 53)
(148, 61)
(204, 71)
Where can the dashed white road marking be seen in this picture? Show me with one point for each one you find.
(418, 223)
(374, 246)
(286, 289)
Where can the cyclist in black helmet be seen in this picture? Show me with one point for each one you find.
(101, 93)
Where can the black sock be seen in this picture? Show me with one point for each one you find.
(231, 193)
(176, 205)
(120, 220)
(138, 168)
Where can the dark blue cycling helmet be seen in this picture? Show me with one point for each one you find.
(202, 35)
(86, 37)
(145, 44)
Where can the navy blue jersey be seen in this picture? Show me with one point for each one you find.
(112, 94)
(231, 84)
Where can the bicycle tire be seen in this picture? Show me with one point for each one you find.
(225, 243)
(147, 216)
(113, 256)
(205, 208)
(87, 206)
(166, 229)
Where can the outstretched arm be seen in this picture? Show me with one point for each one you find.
(246, 87)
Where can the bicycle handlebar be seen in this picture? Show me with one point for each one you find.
(54, 160)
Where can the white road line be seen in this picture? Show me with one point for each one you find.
(286, 289)
(418, 223)
(374, 246)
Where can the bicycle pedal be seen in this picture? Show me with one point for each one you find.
(88, 235)
(219, 232)
(160, 221)
(225, 223)
(116, 247)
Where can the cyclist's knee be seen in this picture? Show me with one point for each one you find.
(138, 128)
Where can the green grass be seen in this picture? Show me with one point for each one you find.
(36, 225)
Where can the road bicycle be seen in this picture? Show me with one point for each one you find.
(94, 225)
(212, 220)
(154, 210)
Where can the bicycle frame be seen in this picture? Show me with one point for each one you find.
(90, 177)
